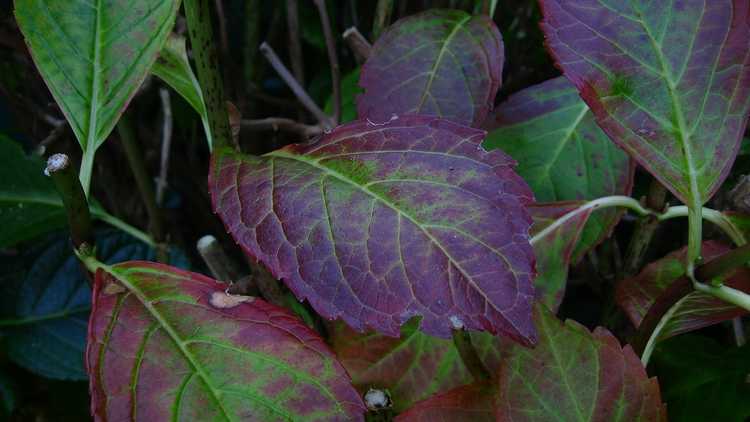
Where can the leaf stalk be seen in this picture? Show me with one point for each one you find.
(74, 199)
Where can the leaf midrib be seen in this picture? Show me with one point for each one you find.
(95, 79)
(326, 170)
(439, 59)
(167, 327)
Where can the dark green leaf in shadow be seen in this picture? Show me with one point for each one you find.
(703, 380)
(45, 309)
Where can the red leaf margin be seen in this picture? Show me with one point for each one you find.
(202, 288)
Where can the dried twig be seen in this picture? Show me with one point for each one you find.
(282, 124)
(166, 141)
(296, 88)
(358, 44)
(295, 46)
(143, 182)
(332, 59)
(382, 17)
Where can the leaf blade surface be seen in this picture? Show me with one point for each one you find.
(94, 55)
(444, 63)
(219, 357)
(388, 220)
(575, 375)
(667, 81)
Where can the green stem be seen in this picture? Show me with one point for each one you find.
(604, 202)
(127, 228)
(383, 12)
(198, 14)
(646, 355)
(469, 355)
(87, 167)
(695, 233)
(716, 268)
(73, 197)
(143, 182)
(725, 293)
(714, 216)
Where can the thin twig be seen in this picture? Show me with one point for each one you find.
(382, 18)
(251, 40)
(739, 331)
(223, 37)
(166, 142)
(296, 88)
(54, 135)
(74, 200)
(358, 44)
(332, 59)
(281, 124)
(295, 45)
(143, 182)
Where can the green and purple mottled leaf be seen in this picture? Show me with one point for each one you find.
(93, 55)
(173, 67)
(443, 63)
(472, 402)
(412, 367)
(694, 311)
(668, 81)
(166, 344)
(575, 375)
(379, 223)
(562, 153)
(555, 233)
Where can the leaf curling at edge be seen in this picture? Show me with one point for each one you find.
(164, 345)
(409, 204)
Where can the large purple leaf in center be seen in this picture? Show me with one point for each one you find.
(378, 223)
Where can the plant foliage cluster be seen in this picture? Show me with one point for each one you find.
(462, 232)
